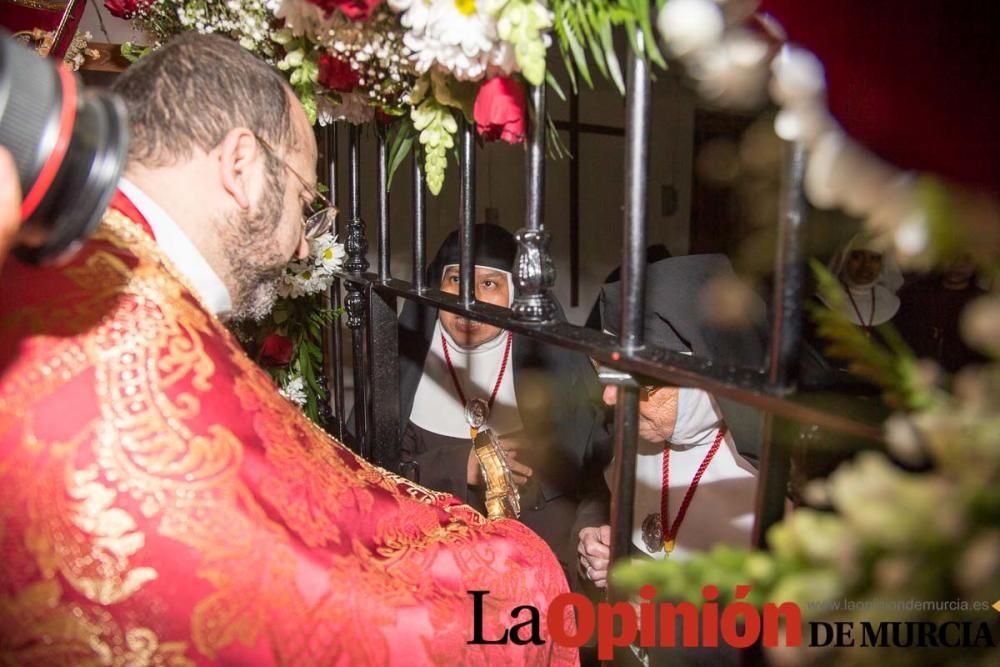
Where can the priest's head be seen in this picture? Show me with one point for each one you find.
(494, 251)
(221, 143)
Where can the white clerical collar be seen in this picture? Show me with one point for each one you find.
(180, 250)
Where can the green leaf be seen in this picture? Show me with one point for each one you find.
(131, 52)
(579, 57)
(553, 83)
(614, 67)
(587, 19)
(652, 52)
(400, 145)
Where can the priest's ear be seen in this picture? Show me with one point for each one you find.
(240, 161)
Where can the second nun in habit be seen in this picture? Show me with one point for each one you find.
(544, 401)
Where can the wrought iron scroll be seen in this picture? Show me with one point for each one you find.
(534, 271)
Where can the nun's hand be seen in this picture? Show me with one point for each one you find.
(595, 554)
(473, 474)
(519, 471)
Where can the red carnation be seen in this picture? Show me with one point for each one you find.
(337, 74)
(125, 9)
(356, 10)
(276, 350)
(500, 110)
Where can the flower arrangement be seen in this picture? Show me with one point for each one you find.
(425, 64)
(287, 342)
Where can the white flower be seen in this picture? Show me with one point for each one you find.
(690, 25)
(314, 273)
(329, 254)
(458, 35)
(295, 390)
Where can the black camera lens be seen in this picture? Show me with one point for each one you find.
(69, 146)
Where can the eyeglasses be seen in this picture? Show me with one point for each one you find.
(318, 215)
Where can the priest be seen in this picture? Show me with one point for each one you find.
(160, 501)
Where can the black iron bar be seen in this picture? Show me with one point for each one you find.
(652, 363)
(786, 332)
(467, 206)
(384, 249)
(574, 200)
(356, 247)
(419, 225)
(334, 353)
(789, 274)
(589, 128)
(534, 270)
(630, 337)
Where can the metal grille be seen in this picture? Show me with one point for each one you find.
(371, 310)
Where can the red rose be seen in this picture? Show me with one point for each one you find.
(500, 110)
(337, 74)
(124, 9)
(384, 118)
(276, 350)
(356, 10)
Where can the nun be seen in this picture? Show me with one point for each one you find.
(696, 467)
(543, 402)
(696, 472)
(870, 280)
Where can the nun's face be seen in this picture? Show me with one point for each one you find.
(491, 287)
(862, 267)
(657, 411)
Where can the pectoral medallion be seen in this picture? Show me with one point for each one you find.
(477, 411)
(652, 533)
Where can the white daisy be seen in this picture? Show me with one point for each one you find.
(458, 35)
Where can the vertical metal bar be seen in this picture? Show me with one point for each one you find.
(384, 268)
(631, 334)
(337, 298)
(789, 275)
(634, 237)
(383, 364)
(786, 333)
(419, 225)
(356, 246)
(325, 379)
(574, 200)
(467, 205)
(534, 271)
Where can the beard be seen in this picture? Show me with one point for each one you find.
(255, 262)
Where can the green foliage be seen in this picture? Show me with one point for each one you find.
(585, 32)
(436, 127)
(302, 321)
(891, 366)
(400, 139)
(888, 536)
